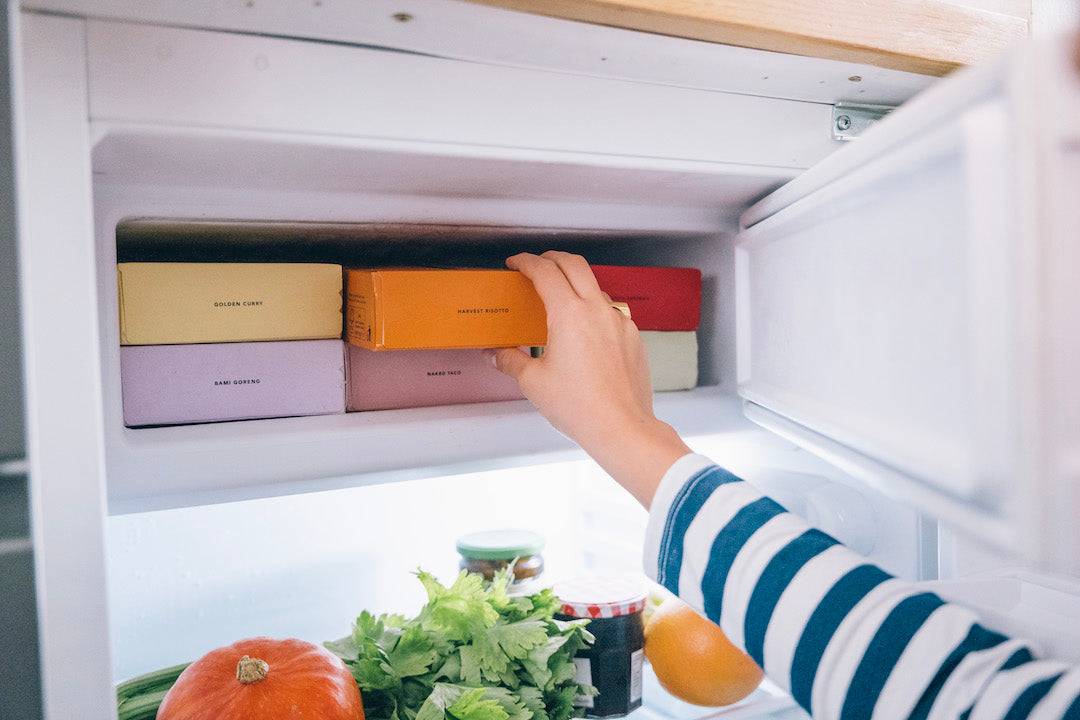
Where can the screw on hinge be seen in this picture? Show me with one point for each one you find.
(850, 120)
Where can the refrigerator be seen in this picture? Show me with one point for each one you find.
(887, 345)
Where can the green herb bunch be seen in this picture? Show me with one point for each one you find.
(472, 653)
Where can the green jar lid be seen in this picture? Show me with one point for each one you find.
(500, 544)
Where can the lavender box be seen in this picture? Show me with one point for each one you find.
(388, 379)
(179, 384)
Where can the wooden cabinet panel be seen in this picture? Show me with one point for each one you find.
(930, 37)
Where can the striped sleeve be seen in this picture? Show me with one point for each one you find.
(845, 638)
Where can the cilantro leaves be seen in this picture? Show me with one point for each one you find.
(472, 653)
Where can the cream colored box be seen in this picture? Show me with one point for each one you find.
(673, 359)
(165, 303)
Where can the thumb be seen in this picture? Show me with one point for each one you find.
(509, 361)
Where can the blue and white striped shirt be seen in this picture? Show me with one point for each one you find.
(844, 637)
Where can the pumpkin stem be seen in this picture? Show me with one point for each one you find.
(251, 670)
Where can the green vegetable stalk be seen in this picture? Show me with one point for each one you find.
(472, 653)
(139, 697)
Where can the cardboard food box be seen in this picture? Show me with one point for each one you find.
(660, 298)
(421, 308)
(423, 378)
(179, 384)
(673, 359)
(184, 303)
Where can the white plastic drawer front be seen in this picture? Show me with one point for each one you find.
(877, 311)
(909, 307)
(180, 77)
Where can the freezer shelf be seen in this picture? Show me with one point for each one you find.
(159, 468)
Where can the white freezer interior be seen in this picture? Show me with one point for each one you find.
(173, 141)
(451, 159)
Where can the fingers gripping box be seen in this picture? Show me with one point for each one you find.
(425, 309)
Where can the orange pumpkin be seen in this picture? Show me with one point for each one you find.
(264, 679)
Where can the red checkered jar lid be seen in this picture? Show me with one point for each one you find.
(601, 596)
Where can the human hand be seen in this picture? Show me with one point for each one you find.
(592, 382)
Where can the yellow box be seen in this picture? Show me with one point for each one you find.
(421, 308)
(164, 303)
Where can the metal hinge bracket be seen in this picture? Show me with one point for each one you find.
(849, 120)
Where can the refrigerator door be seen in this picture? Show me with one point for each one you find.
(907, 308)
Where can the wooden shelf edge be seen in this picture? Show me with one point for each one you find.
(928, 37)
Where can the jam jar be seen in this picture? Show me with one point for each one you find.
(488, 551)
(613, 663)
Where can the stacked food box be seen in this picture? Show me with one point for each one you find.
(209, 342)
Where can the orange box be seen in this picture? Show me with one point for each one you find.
(423, 308)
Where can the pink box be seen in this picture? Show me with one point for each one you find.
(179, 384)
(388, 379)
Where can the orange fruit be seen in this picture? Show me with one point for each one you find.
(693, 659)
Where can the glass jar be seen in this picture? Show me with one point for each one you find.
(613, 663)
(490, 551)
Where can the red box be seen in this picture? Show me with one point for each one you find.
(660, 298)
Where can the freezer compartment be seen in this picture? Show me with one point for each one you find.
(903, 308)
(175, 195)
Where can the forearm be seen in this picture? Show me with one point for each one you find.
(638, 457)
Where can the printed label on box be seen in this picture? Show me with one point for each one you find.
(167, 303)
(211, 382)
